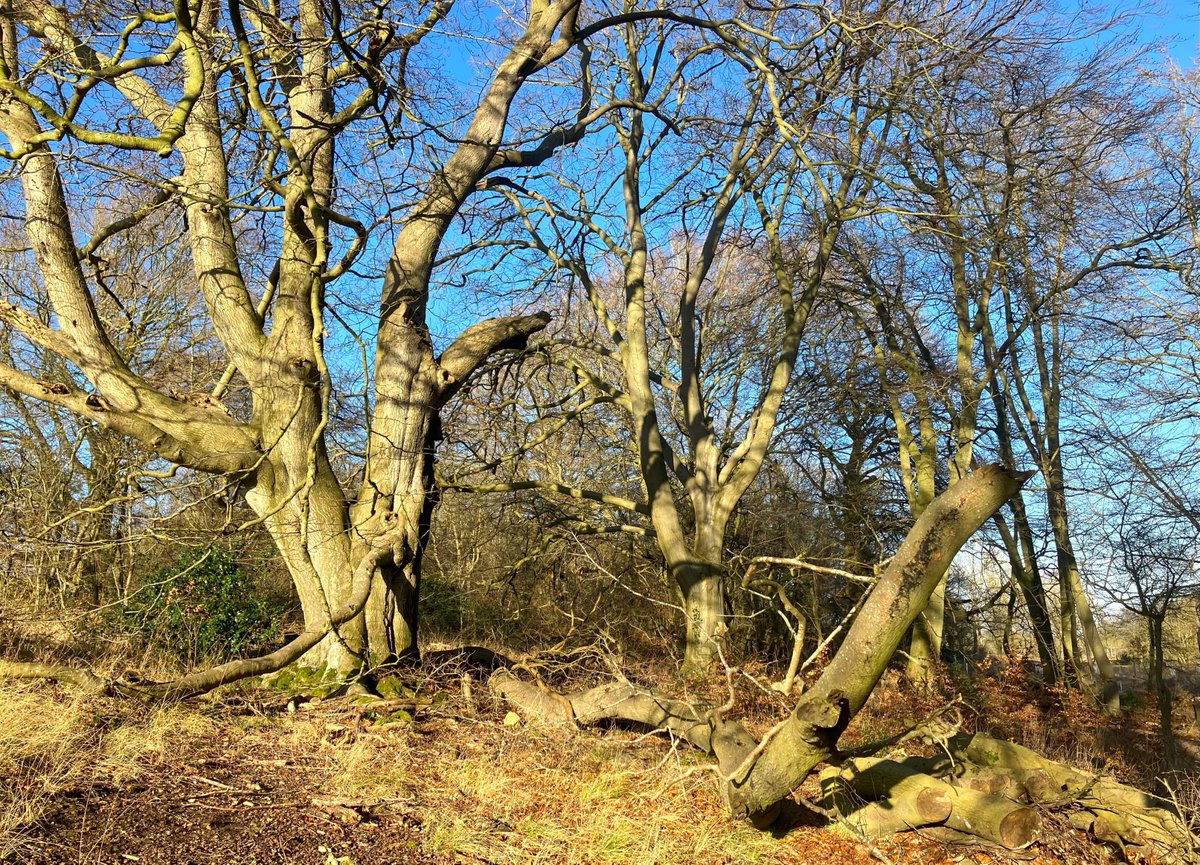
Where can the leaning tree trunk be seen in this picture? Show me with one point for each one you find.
(757, 776)
(1022, 559)
(925, 645)
(902, 592)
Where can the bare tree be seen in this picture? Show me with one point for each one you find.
(700, 291)
(258, 113)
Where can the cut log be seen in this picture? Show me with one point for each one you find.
(993, 818)
(1115, 828)
(908, 800)
(875, 820)
(1081, 820)
(981, 779)
(960, 773)
(887, 779)
(1123, 814)
(904, 787)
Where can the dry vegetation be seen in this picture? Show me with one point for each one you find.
(358, 780)
(819, 339)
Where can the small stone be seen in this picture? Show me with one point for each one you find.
(512, 719)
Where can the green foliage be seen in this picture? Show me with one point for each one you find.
(204, 607)
(1132, 701)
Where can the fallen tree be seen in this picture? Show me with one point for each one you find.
(756, 775)
(1113, 812)
(881, 797)
(994, 790)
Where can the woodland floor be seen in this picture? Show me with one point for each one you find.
(253, 777)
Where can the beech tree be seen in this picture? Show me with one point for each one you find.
(259, 114)
(699, 249)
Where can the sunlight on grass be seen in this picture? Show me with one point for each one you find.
(603, 786)
(45, 745)
(369, 771)
(616, 841)
(448, 837)
(128, 748)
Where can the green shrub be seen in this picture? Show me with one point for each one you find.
(204, 607)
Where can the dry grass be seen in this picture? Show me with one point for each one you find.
(372, 768)
(467, 787)
(525, 795)
(46, 746)
(477, 789)
(52, 743)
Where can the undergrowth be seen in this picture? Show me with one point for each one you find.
(478, 788)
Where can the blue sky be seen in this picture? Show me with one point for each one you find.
(1176, 22)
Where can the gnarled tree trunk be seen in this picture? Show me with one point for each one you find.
(276, 450)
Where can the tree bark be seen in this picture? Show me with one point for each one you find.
(903, 590)
(1160, 690)
(702, 586)
(1072, 588)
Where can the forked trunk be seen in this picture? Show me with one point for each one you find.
(392, 611)
(309, 531)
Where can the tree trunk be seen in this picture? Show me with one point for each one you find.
(398, 493)
(911, 798)
(925, 645)
(1074, 597)
(1010, 611)
(1022, 557)
(702, 587)
(309, 531)
(1158, 687)
(393, 609)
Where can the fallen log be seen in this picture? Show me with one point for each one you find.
(905, 788)
(874, 820)
(85, 680)
(993, 818)
(1124, 815)
(980, 788)
(757, 775)
(886, 799)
